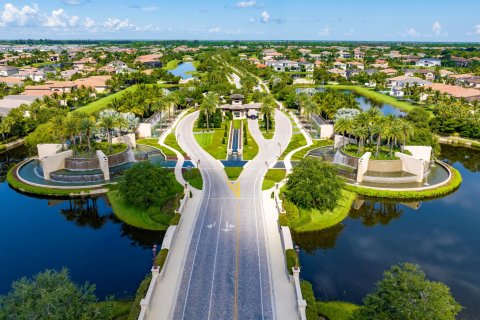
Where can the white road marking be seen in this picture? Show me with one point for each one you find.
(228, 227)
(214, 266)
(211, 225)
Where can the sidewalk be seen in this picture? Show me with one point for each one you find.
(283, 290)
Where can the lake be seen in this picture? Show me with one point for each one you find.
(83, 235)
(182, 69)
(441, 235)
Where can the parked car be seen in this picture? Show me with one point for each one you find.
(252, 116)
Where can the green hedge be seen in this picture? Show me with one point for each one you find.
(141, 292)
(307, 293)
(452, 185)
(161, 258)
(291, 257)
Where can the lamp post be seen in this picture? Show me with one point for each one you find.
(154, 252)
(297, 251)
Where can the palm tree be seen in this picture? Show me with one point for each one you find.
(6, 124)
(209, 105)
(268, 105)
(361, 132)
(108, 122)
(114, 104)
(87, 125)
(374, 114)
(343, 126)
(379, 128)
(407, 130)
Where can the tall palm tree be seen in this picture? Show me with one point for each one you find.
(344, 126)
(87, 125)
(108, 122)
(209, 105)
(268, 106)
(407, 130)
(379, 128)
(374, 114)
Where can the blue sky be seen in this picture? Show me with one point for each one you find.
(406, 20)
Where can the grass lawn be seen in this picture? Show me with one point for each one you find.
(171, 141)
(212, 142)
(336, 310)
(194, 178)
(297, 141)
(370, 93)
(102, 103)
(273, 176)
(299, 155)
(233, 172)
(314, 220)
(172, 64)
(271, 129)
(250, 150)
(144, 219)
(153, 142)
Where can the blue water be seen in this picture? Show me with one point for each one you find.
(182, 69)
(234, 163)
(440, 235)
(235, 140)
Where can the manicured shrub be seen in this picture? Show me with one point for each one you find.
(307, 292)
(291, 257)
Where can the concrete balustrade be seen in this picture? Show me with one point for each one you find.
(54, 162)
(362, 167)
(103, 163)
(412, 165)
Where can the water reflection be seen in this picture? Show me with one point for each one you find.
(372, 212)
(323, 239)
(469, 158)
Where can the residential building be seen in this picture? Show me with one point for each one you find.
(429, 62)
(150, 61)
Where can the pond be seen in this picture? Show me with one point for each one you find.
(183, 70)
(366, 103)
(440, 235)
(82, 235)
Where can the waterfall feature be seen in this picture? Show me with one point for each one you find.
(344, 160)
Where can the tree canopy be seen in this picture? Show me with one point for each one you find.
(314, 184)
(404, 293)
(145, 185)
(52, 295)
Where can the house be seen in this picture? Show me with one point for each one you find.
(117, 64)
(340, 72)
(403, 81)
(428, 74)
(68, 74)
(150, 61)
(389, 71)
(473, 82)
(14, 101)
(455, 91)
(460, 62)
(7, 71)
(359, 55)
(445, 73)
(99, 83)
(356, 65)
(239, 109)
(53, 57)
(305, 52)
(344, 55)
(428, 62)
(11, 81)
(283, 65)
(308, 66)
(82, 63)
(339, 65)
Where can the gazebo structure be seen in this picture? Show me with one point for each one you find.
(239, 109)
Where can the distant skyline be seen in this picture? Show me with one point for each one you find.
(408, 20)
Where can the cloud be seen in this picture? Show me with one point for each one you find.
(89, 23)
(60, 19)
(325, 32)
(412, 32)
(146, 9)
(264, 17)
(245, 4)
(13, 16)
(214, 30)
(73, 2)
(116, 24)
(349, 33)
(437, 28)
(476, 31)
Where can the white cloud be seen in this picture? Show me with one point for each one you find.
(73, 2)
(60, 19)
(214, 30)
(412, 32)
(245, 4)
(11, 15)
(325, 32)
(437, 28)
(265, 17)
(89, 23)
(476, 30)
(117, 24)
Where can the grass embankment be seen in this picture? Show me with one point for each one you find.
(250, 146)
(153, 142)
(452, 185)
(302, 220)
(171, 141)
(298, 139)
(299, 155)
(233, 172)
(102, 103)
(212, 141)
(370, 93)
(336, 310)
(172, 64)
(194, 178)
(151, 219)
(54, 192)
(273, 176)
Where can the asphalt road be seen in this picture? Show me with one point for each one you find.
(227, 271)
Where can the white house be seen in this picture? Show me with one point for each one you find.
(428, 62)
